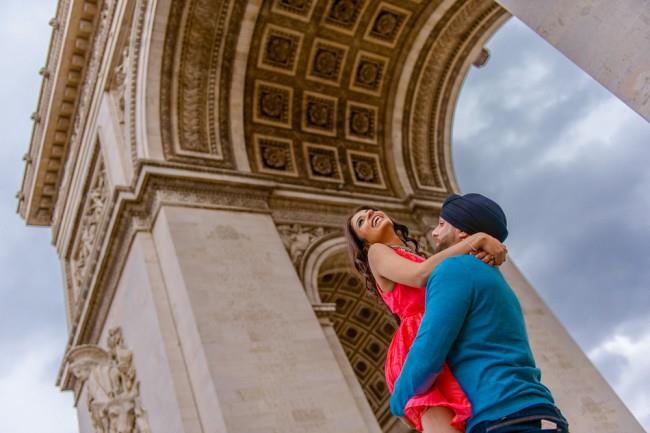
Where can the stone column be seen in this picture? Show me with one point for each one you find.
(257, 358)
(610, 40)
(580, 391)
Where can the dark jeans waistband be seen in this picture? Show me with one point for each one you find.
(529, 415)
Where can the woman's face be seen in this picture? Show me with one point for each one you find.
(372, 226)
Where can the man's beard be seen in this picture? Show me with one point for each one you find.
(443, 244)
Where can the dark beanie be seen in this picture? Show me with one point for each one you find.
(473, 213)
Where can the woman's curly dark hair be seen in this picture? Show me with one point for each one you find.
(358, 252)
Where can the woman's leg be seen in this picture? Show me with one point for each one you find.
(436, 419)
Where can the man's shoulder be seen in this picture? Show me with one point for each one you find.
(459, 262)
(456, 265)
(463, 267)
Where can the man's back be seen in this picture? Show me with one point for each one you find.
(474, 321)
(491, 357)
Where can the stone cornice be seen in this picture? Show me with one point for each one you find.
(74, 31)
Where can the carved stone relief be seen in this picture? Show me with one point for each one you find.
(297, 238)
(113, 391)
(433, 90)
(195, 82)
(120, 84)
(84, 250)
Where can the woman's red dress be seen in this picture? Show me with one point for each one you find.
(408, 303)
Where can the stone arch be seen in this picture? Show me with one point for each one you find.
(149, 79)
(433, 88)
(307, 94)
(187, 77)
(361, 326)
(425, 96)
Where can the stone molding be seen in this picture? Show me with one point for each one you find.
(298, 239)
(433, 90)
(112, 387)
(79, 37)
(199, 92)
(195, 109)
(81, 263)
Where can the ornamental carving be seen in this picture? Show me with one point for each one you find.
(112, 388)
(434, 88)
(121, 83)
(322, 162)
(365, 169)
(361, 123)
(279, 49)
(344, 14)
(299, 9)
(319, 114)
(326, 61)
(387, 24)
(200, 39)
(94, 208)
(275, 156)
(297, 238)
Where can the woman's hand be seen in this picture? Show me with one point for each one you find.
(484, 257)
(489, 249)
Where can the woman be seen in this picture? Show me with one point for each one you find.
(379, 249)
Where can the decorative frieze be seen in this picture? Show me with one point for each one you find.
(112, 387)
(297, 238)
(85, 248)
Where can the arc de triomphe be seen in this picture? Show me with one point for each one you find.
(195, 159)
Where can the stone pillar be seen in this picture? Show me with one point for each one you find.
(580, 391)
(255, 353)
(610, 40)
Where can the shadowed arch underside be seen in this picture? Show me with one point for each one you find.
(364, 328)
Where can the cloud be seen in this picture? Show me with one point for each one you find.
(623, 359)
(31, 402)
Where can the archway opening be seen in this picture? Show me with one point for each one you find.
(364, 328)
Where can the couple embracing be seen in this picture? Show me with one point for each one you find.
(460, 359)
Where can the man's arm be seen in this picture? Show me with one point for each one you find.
(448, 300)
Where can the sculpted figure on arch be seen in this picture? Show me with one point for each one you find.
(460, 359)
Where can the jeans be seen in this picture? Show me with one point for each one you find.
(534, 419)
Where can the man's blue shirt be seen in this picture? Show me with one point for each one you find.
(473, 321)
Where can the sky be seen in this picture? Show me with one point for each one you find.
(565, 159)
(568, 162)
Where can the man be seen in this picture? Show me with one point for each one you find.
(473, 320)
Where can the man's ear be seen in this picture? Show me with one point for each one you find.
(461, 234)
